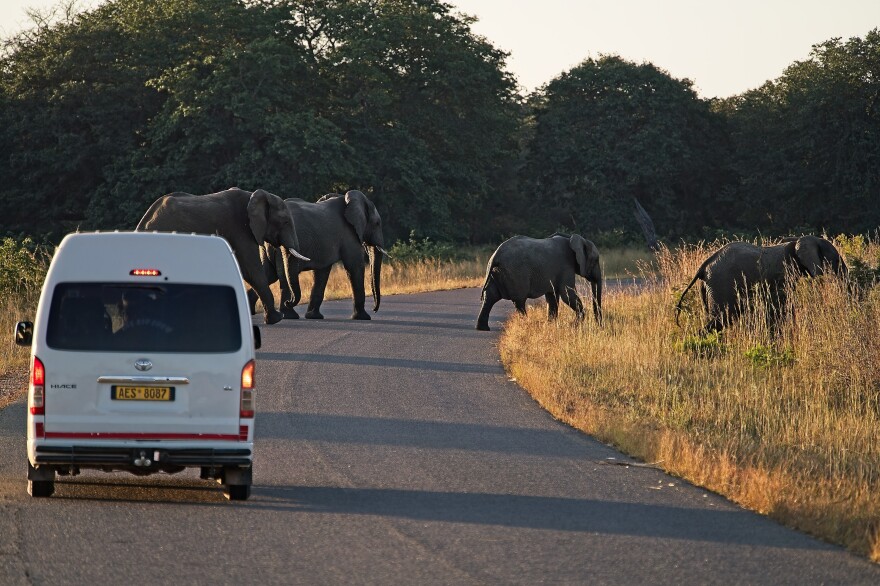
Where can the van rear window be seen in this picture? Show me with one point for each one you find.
(151, 318)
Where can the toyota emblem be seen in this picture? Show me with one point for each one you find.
(143, 364)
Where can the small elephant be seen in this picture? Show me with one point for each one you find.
(337, 228)
(244, 219)
(729, 275)
(527, 268)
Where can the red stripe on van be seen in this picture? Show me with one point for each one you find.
(141, 436)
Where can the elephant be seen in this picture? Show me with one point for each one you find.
(526, 268)
(729, 275)
(245, 219)
(333, 229)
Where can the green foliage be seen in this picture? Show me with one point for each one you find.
(103, 111)
(710, 345)
(106, 111)
(23, 267)
(414, 250)
(864, 272)
(610, 131)
(805, 145)
(766, 356)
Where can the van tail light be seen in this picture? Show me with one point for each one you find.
(38, 388)
(247, 391)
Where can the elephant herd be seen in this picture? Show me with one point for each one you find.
(265, 231)
(275, 239)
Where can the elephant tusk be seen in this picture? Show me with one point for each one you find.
(383, 251)
(297, 255)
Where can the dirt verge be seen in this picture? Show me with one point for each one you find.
(13, 385)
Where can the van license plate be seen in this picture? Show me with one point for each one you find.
(123, 393)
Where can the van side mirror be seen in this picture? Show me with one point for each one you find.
(24, 333)
(258, 338)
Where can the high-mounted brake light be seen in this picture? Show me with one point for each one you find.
(246, 408)
(38, 388)
(145, 272)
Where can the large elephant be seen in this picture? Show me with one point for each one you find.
(244, 219)
(333, 229)
(731, 273)
(527, 268)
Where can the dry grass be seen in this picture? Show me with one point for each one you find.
(13, 359)
(783, 422)
(437, 275)
(407, 277)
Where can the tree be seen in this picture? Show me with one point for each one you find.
(425, 104)
(608, 131)
(108, 110)
(807, 144)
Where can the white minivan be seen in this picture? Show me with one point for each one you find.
(142, 360)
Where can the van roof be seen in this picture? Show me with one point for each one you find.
(111, 256)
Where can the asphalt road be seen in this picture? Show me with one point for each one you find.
(396, 451)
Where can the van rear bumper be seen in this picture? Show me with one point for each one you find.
(145, 456)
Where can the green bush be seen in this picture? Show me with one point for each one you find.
(864, 272)
(766, 356)
(23, 267)
(708, 346)
(415, 250)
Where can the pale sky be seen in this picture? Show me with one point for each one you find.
(724, 47)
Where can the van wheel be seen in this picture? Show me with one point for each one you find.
(41, 488)
(41, 481)
(238, 492)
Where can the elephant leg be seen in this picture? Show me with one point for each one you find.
(356, 277)
(317, 296)
(573, 300)
(491, 296)
(552, 305)
(520, 305)
(270, 314)
(255, 276)
(252, 300)
(715, 323)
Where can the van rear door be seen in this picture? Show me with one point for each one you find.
(130, 360)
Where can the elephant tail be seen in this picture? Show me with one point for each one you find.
(491, 277)
(701, 274)
(681, 297)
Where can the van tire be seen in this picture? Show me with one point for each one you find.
(238, 492)
(41, 488)
(41, 481)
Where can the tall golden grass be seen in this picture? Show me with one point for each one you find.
(784, 420)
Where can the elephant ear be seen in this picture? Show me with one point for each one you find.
(582, 254)
(812, 252)
(830, 255)
(356, 212)
(257, 209)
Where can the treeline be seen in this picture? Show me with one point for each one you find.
(103, 111)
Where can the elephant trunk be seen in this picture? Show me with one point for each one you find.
(376, 255)
(595, 279)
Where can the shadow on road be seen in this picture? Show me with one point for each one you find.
(435, 435)
(385, 362)
(533, 512)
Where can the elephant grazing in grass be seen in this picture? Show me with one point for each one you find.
(528, 268)
(729, 275)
